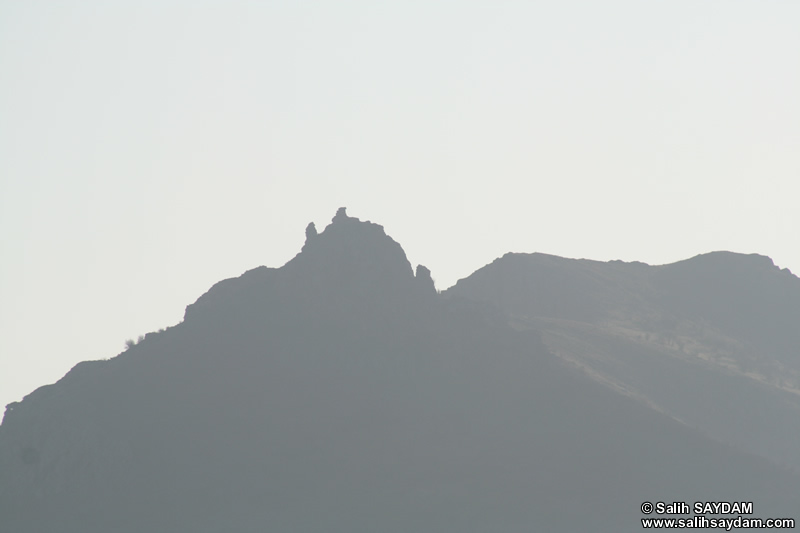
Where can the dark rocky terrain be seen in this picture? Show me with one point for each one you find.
(342, 393)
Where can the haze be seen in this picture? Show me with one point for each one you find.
(148, 150)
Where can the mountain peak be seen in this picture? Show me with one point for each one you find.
(341, 214)
(351, 247)
(724, 257)
(724, 264)
(351, 263)
(352, 252)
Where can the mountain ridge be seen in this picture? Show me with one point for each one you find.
(723, 321)
(341, 392)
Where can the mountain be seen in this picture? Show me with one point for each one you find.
(712, 341)
(342, 393)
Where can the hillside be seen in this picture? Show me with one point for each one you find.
(341, 393)
(712, 341)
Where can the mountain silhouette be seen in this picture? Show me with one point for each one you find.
(342, 393)
(713, 341)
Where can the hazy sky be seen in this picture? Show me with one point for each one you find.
(151, 148)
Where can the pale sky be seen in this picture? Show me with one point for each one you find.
(149, 149)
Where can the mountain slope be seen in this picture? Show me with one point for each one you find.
(712, 341)
(340, 393)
